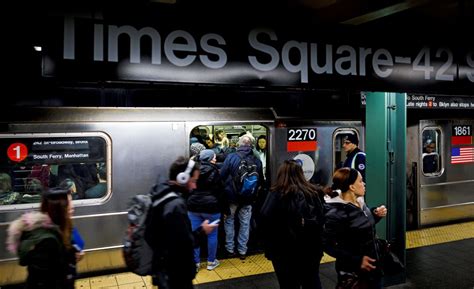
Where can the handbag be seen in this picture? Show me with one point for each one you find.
(390, 262)
(350, 281)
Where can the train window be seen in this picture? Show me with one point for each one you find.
(431, 158)
(223, 139)
(32, 163)
(338, 139)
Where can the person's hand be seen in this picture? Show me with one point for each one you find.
(367, 264)
(208, 228)
(79, 256)
(380, 211)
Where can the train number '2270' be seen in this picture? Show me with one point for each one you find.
(301, 134)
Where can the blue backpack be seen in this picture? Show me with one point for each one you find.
(245, 180)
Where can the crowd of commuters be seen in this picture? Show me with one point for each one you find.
(298, 221)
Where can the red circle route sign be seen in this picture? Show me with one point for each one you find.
(17, 152)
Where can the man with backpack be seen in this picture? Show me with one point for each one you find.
(243, 175)
(168, 231)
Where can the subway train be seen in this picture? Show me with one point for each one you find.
(112, 154)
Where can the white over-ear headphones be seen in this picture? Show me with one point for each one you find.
(183, 177)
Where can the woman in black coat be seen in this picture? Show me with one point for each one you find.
(291, 222)
(349, 234)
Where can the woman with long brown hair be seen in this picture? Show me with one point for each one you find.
(42, 241)
(291, 222)
(349, 234)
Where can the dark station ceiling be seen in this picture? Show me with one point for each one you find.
(428, 19)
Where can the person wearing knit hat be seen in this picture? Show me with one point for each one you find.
(196, 148)
(355, 158)
(207, 202)
(352, 138)
(207, 155)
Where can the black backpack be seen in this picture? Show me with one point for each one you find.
(246, 179)
(136, 251)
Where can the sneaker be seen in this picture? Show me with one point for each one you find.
(242, 256)
(198, 265)
(213, 265)
(229, 254)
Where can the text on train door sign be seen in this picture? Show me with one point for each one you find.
(301, 139)
(462, 150)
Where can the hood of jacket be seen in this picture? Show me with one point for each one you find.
(339, 200)
(28, 222)
(210, 172)
(245, 150)
(163, 188)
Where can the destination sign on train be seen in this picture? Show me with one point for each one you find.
(52, 150)
(435, 101)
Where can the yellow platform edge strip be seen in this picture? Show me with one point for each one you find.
(258, 264)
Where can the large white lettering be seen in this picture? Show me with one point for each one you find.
(267, 53)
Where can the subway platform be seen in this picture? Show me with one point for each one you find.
(437, 258)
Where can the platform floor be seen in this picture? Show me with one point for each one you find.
(438, 258)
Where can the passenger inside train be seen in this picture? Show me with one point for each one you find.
(7, 195)
(430, 158)
(430, 155)
(100, 189)
(262, 152)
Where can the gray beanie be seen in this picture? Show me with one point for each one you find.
(196, 148)
(206, 155)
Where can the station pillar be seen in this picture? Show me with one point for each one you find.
(385, 167)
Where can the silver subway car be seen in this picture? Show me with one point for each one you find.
(440, 169)
(112, 154)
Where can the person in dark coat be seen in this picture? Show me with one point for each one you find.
(169, 232)
(291, 222)
(207, 203)
(42, 241)
(349, 234)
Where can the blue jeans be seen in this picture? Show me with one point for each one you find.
(196, 221)
(245, 214)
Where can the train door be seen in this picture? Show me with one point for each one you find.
(223, 139)
(314, 144)
(339, 155)
(446, 181)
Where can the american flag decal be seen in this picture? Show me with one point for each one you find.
(462, 155)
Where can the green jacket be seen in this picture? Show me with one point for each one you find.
(39, 246)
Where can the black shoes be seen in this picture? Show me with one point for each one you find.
(230, 254)
(234, 255)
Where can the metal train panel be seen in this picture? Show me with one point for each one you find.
(142, 143)
(446, 193)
